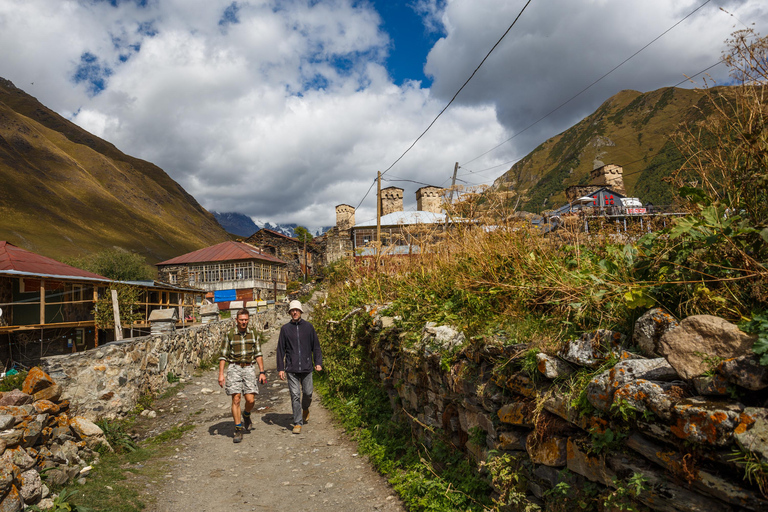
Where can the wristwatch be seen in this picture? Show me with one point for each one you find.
(262, 373)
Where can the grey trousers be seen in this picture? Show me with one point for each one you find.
(300, 387)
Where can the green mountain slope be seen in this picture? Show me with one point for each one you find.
(631, 129)
(66, 192)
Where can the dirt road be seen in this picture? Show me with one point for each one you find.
(272, 469)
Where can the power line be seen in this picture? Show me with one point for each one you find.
(462, 87)
(366, 194)
(452, 99)
(590, 85)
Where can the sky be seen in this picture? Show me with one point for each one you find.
(283, 109)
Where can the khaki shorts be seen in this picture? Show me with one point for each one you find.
(243, 381)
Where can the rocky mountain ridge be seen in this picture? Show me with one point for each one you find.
(632, 129)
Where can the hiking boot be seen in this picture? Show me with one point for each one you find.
(238, 434)
(297, 429)
(247, 423)
(305, 415)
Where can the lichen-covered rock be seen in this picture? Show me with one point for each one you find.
(745, 371)
(645, 395)
(552, 367)
(83, 427)
(517, 413)
(511, 440)
(31, 489)
(31, 431)
(708, 422)
(684, 467)
(700, 342)
(9, 474)
(551, 451)
(15, 397)
(441, 337)
(592, 348)
(11, 437)
(12, 501)
(19, 458)
(7, 421)
(601, 389)
(36, 380)
(649, 329)
(754, 436)
(45, 407)
(20, 413)
(710, 385)
(51, 393)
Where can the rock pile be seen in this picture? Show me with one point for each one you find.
(37, 435)
(687, 415)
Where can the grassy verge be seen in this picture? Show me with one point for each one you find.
(437, 478)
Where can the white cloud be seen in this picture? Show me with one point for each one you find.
(291, 110)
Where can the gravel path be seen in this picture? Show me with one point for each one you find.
(272, 469)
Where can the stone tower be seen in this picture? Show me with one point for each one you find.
(611, 176)
(345, 216)
(429, 199)
(391, 200)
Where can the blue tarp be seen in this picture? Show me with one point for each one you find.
(224, 295)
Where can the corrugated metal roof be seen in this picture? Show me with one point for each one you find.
(405, 218)
(225, 251)
(14, 258)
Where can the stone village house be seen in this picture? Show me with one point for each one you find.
(300, 258)
(401, 231)
(229, 271)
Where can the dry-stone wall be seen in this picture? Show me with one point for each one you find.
(38, 434)
(686, 415)
(108, 381)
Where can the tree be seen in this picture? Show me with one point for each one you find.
(302, 234)
(128, 301)
(116, 264)
(305, 236)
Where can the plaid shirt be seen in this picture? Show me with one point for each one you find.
(239, 348)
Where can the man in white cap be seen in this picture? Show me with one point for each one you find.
(297, 347)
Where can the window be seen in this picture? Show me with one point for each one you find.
(172, 277)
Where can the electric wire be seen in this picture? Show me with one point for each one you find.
(462, 87)
(590, 85)
(452, 99)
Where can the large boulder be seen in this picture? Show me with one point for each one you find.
(701, 342)
(649, 329)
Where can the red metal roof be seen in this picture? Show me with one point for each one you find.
(15, 258)
(225, 251)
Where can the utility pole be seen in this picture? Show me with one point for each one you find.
(453, 181)
(378, 209)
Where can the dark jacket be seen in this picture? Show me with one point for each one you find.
(296, 347)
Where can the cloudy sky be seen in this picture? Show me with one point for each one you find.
(282, 109)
